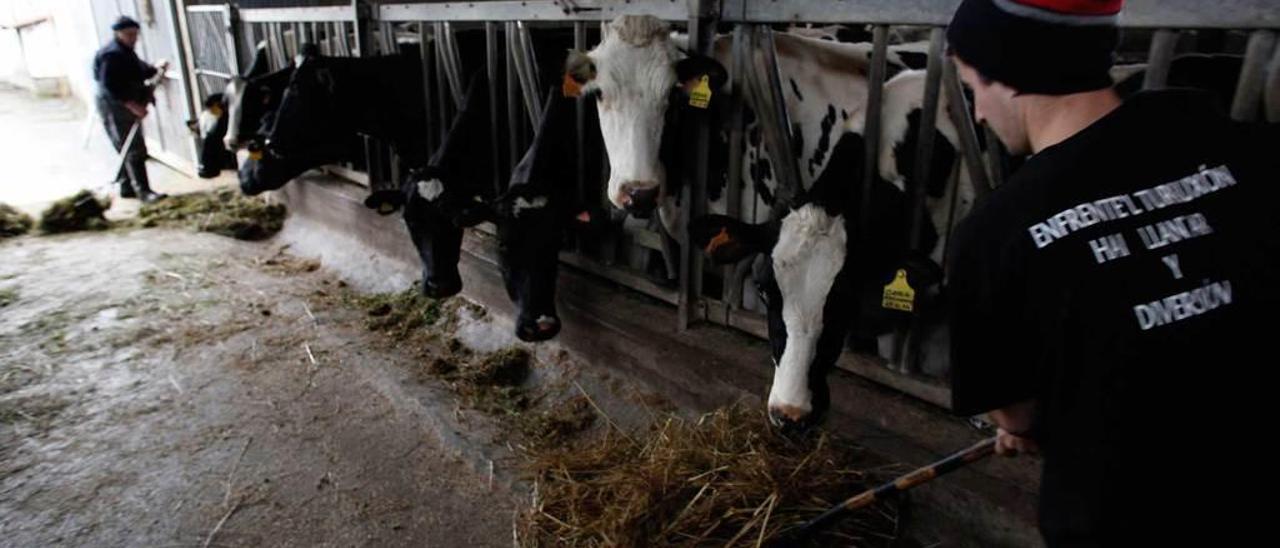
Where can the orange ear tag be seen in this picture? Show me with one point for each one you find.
(570, 87)
(718, 241)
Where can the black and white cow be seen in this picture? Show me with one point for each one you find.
(445, 195)
(234, 118)
(819, 274)
(825, 93)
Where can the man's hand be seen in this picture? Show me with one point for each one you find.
(1009, 445)
(1018, 417)
(138, 109)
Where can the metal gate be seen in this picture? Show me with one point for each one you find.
(1155, 28)
(168, 138)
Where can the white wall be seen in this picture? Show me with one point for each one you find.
(62, 47)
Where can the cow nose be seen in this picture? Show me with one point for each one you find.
(790, 419)
(640, 202)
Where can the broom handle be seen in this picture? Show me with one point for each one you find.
(920, 476)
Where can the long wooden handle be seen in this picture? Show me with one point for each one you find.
(920, 476)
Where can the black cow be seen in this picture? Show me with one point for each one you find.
(234, 118)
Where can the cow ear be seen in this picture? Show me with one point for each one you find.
(579, 70)
(727, 240)
(691, 69)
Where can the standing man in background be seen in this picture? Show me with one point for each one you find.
(122, 101)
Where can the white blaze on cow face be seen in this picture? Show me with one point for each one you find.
(809, 254)
(206, 121)
(430, 190)
(635, 73)
(234, 94)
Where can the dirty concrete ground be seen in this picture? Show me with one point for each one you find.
(49, 152)
(157, 386)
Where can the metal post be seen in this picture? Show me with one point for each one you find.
(701, 39)
(580, 44)
(296, 29)
(442, 87)
(491, 74)
(1245, 107)
(1272, 94)
(425, 58)
(514, 132)
(732, 293)
(924, 163)
(871, 126)
(364, 34)
(1160, 58)
(958, 108)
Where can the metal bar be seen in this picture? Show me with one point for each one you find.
(298, 14)
(425, 58)
(491, 74)
(1160, 58)
(453, 64)
(313, 34)
(905, 344)
(531, 61)
(928, 131)
(1272, 94)
(529, 10)
(215, 74)
(872, 125)
(278, 45)
(732, 293)
(1242, 14)
(231, 19)
(514, 134)
(527, 87)
(296, 29)
(580, 44)
(771, 111)
(387, 38)
(442, 86)
(958, 108)
(701, 36)
(1248, 99)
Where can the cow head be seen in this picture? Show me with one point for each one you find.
(445, 196)
(635, 73)
(210, 127)
(310, 112)
(531, 217)
(814, 271)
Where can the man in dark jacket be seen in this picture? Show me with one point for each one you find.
(122, 101)
(1112, 299)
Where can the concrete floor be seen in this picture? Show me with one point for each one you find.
(48, 154)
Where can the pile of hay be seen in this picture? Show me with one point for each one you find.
(224, 212)
(81, 211)
(13, 222)
(724, 479)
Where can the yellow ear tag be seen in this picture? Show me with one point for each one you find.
(386, 207)
(899, 295)
(255, 155)
(700, 95)
(215, 109)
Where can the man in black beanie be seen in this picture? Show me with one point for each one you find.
(1108, 298)
(122, 102)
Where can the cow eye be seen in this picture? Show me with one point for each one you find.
(764, 295)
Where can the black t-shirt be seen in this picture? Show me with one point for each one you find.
(1124, 280)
